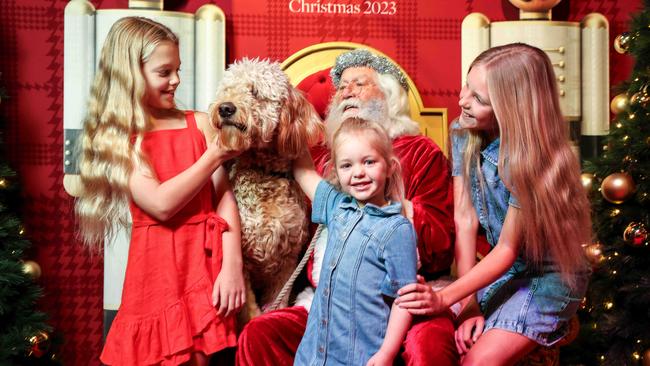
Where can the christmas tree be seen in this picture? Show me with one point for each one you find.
(615, 314)
(24, 334)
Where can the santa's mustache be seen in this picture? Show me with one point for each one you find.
(372, 110)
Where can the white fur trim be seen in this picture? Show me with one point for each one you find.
(319, 253)
(307, 295)
(305, 298)
(441, 283)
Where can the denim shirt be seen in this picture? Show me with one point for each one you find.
(491, 205)
(370, 254)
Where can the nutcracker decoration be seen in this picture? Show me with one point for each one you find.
(578, 51)
(203, 52)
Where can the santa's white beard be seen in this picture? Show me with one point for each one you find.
(373, 110)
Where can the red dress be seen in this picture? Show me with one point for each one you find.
(166, 312)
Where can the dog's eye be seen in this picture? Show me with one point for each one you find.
(253, 91)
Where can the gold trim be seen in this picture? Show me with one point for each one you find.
(475, 20)
(534, 15)
(519, 23)
(79, 7)
(595, 20)
(164, 13)
(315, 58)
(210, 12)
(146, 4)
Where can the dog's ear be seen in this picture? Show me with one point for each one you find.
(299, 125)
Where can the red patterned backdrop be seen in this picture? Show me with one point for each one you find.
(423, 37)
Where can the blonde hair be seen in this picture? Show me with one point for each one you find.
(114, 127)
(379, 140)
(536, 162)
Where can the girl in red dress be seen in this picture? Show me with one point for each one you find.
(184, 273)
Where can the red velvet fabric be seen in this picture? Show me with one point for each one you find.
(430, 341)
(273, 338)
(318, 89)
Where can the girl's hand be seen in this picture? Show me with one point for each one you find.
(229, 292)
(380, 359)
(420, 299)
(220, 153)
(468, 333)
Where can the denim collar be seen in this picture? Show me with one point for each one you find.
(491, 152)
(350, 202)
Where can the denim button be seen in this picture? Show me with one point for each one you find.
(326, 291)
(324, 322)
(321, 349)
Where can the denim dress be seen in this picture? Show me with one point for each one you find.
(536, 304)
(370, 254)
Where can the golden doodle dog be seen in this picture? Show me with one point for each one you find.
(258, 111)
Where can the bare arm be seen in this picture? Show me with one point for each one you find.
(466, 223)
(305, 174)
(492, 266)
(399, 323)
(418, 298)
(163, 200)
(229, 293)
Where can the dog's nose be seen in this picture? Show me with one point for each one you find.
(227, 109)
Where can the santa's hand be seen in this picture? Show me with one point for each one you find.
(420, 299)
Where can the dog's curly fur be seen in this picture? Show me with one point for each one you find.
(258, 111)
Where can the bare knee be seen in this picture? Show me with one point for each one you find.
(476, 359)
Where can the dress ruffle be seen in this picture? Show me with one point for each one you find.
(169, 336)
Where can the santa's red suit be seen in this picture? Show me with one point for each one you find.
(273, 338)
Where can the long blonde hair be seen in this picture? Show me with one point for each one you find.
(114, 127)
(536, 162)
(379, 140)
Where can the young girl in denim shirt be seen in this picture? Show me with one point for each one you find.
(371, 251)
(515, 174)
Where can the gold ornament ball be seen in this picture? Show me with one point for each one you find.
(622, 42)
(620, 103)
(617, 187)
(587, 180)
(594, 253)
(635, 234)
(39, 344)
(32, 269)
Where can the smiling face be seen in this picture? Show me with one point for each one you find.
(360, 168)
(160, 72)
(477, 112)
(358, 88)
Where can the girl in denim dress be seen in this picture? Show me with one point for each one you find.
(514, 173)
(371, 251)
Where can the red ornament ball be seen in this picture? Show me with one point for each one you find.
(617, 187)
(636, 234)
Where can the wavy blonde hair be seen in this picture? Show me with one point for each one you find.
(114, 127)
(379, 140)
(536, 161)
